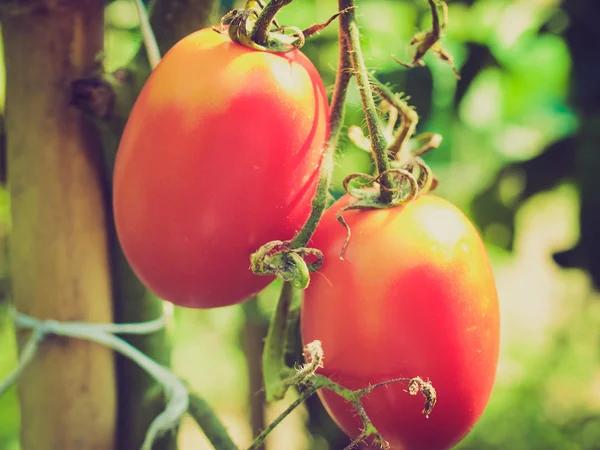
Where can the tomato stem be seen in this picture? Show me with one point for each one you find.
(278, 377)
(275, 371)
(260, 33)
(210, 424)
(311, 383)
(349, 28)
(260, 439)
(336, 122)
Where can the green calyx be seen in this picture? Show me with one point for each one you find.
(256, 27)
(289, 264)
(403, 174)
(241, 25)
(410, 179)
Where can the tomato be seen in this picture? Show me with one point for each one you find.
(414, 296)
(220, 155)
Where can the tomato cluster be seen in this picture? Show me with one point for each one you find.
(221, 154)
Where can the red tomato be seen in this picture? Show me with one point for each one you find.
(220, 155)
(414, 296)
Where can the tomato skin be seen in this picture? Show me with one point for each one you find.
(414, 296)
(219, 156)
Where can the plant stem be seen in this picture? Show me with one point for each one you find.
(251, 339)
(260, 439)
(210, 424)
(354, 397)
(336, 122)
(275, 371)
(349, 27)
(260, 33)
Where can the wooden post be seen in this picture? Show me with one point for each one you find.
(58, 246)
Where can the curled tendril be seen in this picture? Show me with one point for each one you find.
(366, 189)
(289, 264)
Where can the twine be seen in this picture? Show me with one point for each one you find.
(104, 334)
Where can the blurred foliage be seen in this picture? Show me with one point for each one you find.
(514, 158)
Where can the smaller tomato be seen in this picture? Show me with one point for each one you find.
(414, 296)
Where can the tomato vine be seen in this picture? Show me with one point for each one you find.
(278, 377)
(400, 176)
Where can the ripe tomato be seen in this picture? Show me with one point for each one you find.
(220, 155)
(414, 296)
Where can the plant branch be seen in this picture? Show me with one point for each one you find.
(252, 337)
(275, 372)
(349, 28)
(315, 382)
(336, 122)
(260, 439)
(210, 424)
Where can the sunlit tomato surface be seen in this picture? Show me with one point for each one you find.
(220, 155)
(414, 296)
